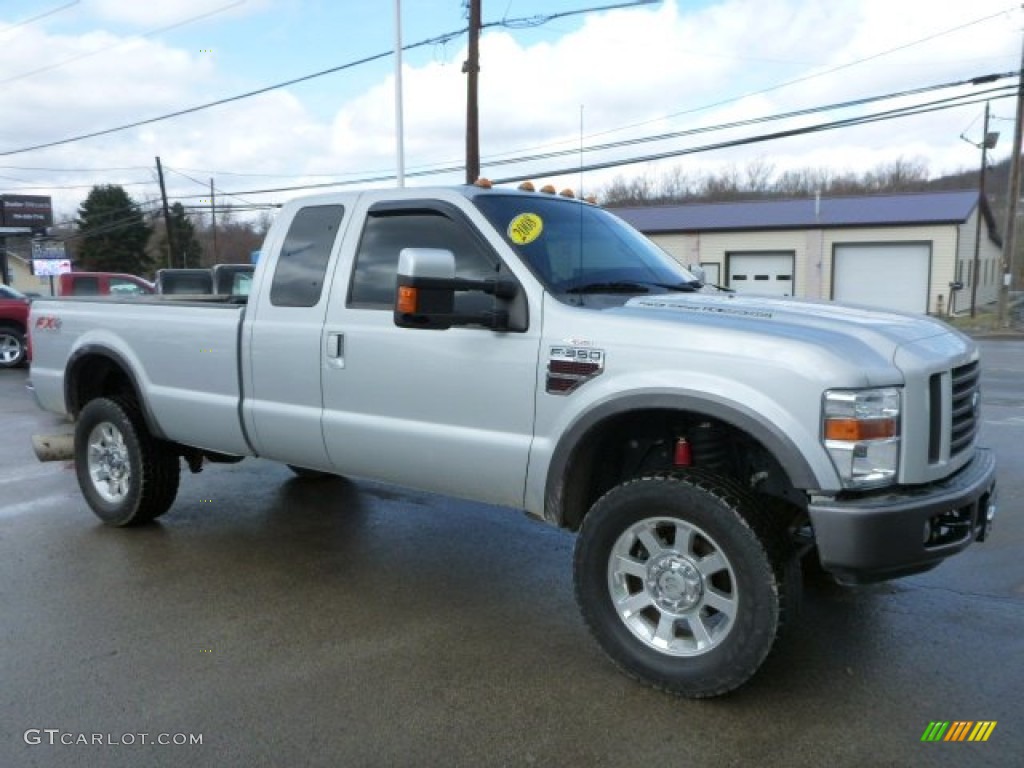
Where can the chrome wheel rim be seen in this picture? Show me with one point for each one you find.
(108, 462)
(10, 348)
(672, 586)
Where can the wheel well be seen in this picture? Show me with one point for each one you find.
(14, 325)
(95, 376)
(638, 442)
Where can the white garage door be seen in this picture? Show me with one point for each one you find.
(764, 273)
(887, 276)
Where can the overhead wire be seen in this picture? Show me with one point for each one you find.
(38, 17)
(945, 103)
(90, 54)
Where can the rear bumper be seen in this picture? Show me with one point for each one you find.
(880, 536)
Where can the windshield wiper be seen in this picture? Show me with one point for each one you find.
(625, 286)
(610, 287)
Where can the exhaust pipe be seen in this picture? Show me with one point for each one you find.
(54, 447)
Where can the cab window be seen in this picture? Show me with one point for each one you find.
(386, 233)
(302, 264)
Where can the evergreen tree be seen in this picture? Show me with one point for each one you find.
(113, 232)
(187, 250)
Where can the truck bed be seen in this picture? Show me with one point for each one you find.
(184, 350)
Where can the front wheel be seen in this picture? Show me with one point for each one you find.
(682, 579)
(127, 476)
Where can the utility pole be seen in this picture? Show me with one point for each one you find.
(167, 215)
(1012, 195)
(213, 221)
(472, 70)
(981, 204)
(399, 120)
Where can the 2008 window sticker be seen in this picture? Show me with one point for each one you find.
(525, 228)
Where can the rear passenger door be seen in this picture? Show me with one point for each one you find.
(283, 334)
(448, 411)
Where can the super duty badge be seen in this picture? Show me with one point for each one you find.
(571, 367)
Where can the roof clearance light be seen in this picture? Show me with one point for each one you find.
(483, 183)
(527, 186)
(548, 189)
(568, 193)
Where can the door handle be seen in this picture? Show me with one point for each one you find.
(334, 349)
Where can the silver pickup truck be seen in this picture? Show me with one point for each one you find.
(532, 350)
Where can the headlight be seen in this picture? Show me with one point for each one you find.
(861, 431)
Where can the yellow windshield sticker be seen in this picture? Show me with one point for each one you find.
(525, 228)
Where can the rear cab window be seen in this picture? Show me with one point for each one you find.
(302, 263)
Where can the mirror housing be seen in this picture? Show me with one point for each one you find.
(425, 294)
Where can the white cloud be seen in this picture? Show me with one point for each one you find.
(625, 68)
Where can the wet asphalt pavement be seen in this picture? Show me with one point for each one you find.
(293, 623)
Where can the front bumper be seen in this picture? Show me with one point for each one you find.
(878, 536)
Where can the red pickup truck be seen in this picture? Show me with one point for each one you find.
(13, 322)
(102, 284)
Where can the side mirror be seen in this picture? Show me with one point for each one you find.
(698, 272)
(425, 296)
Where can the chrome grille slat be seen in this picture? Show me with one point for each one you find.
(963, 411)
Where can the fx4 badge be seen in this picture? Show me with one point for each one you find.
(47, 323)
(571, 367)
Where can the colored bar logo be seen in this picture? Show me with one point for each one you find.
(958, 730)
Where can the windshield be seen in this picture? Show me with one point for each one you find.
(577, 249)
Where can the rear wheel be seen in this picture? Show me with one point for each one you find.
(12, 347)
(683, 580)
(127, 476)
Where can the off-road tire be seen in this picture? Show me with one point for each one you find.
(111, 433)
(727, 582)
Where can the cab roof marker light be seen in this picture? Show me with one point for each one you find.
(483, 183)
(548, 189)
(568, 193)
(527, 186)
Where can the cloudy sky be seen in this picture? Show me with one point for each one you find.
(546, 86)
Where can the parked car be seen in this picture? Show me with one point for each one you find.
(14, 307)
(102, 284)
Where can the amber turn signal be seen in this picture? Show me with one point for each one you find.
(854, 430)
(408, 299)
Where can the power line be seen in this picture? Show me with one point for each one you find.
(846, 123)
(229, 99)
(439, 39)
(38, 17)
(151, 33)
(946, 103)
(829, 71)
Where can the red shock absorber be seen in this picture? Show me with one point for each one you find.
(683, 456)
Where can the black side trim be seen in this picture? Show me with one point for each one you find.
(94, 350)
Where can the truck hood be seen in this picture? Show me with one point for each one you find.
(768, 314)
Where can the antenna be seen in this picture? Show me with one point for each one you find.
(579, 194)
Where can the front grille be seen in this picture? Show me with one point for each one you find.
(964, 407)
